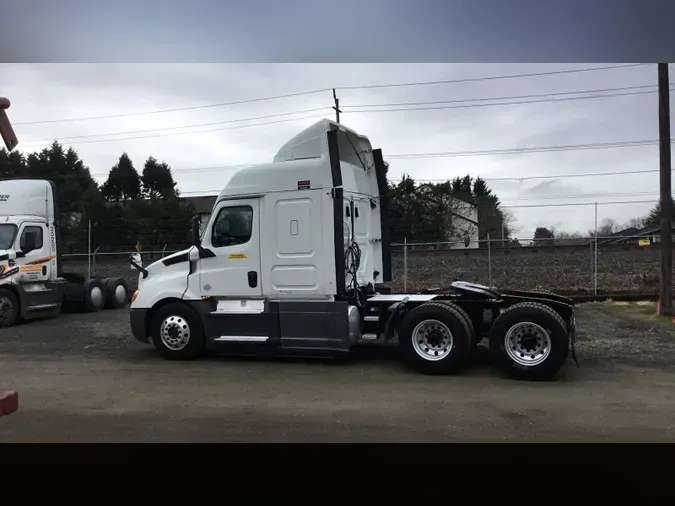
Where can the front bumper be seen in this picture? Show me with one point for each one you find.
(137, 320)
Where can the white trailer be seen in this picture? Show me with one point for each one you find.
(32, 284)
(294, 261)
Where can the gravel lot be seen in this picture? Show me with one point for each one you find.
(82, 378)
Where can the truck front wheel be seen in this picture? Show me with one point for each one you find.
(177, 332)
(9, 308)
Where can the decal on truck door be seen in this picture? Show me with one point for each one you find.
(31, 268)
(39, 261)
(5, 274)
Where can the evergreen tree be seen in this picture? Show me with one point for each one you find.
(12, 165)
(157, 180)
(653, 219)
(123, 183)
(543, 237)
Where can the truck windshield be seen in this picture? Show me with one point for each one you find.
(7, 235)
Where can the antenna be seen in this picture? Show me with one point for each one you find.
(336, 107)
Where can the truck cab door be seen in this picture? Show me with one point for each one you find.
(234, 238)
(33, 252)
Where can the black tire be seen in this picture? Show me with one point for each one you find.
(9, 308)
(472, 331)
(184, 318)
(453, 320)
(558, 337)
(541, 292)
(117, 293)
(94, 296)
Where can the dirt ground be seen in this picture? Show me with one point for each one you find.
(82, 378)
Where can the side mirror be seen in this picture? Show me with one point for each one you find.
(29, 242)
(196, 226)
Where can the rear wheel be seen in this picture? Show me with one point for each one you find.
(94, 295)
(117, 292)
(9, 308)
(177, 332)
(475, 339)
(435, 338)
(530, 341)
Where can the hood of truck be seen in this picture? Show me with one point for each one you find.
(168, 277)
(169, 265)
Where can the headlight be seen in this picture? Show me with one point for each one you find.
(133, 297)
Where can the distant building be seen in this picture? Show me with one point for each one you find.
(464, 231)
(633, 235)
(202, 207)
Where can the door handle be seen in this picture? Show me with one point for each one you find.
(44, 270)
(252, 279)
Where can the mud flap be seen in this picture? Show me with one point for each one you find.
(396, 313)
(573, 339)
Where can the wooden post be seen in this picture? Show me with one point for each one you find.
(336, 107)
(666, 285)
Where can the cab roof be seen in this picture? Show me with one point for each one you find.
(303, 161)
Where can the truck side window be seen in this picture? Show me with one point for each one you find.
(36, 231)
(233, 226)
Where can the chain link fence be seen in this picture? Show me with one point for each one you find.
(587, 266)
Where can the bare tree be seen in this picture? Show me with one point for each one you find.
(606, 228)
(569, 238)
(637, 222)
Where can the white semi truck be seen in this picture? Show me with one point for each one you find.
(32, 284)
(295, 259)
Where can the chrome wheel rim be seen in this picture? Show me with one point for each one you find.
(527, 344)
(174, 333)
(432, 340)
(96, 296)
(120, 294)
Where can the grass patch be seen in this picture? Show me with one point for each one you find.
(643, 311)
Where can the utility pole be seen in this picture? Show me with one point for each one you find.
(666, 285)
(336, 107)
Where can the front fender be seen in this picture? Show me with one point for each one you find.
(163, 282)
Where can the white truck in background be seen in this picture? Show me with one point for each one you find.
(295, 260)
(32, 284)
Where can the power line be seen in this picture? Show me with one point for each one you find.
(513, 97)
(492, 78)
(318, 109)
(198, 125)
(497, 104)
(570, 204)
(524, 150)
(193, 132)
(404, 156)
(581, 196)
(176, 109)
(559, 176)
(322, 90)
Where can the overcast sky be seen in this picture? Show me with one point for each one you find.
(42, 92)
